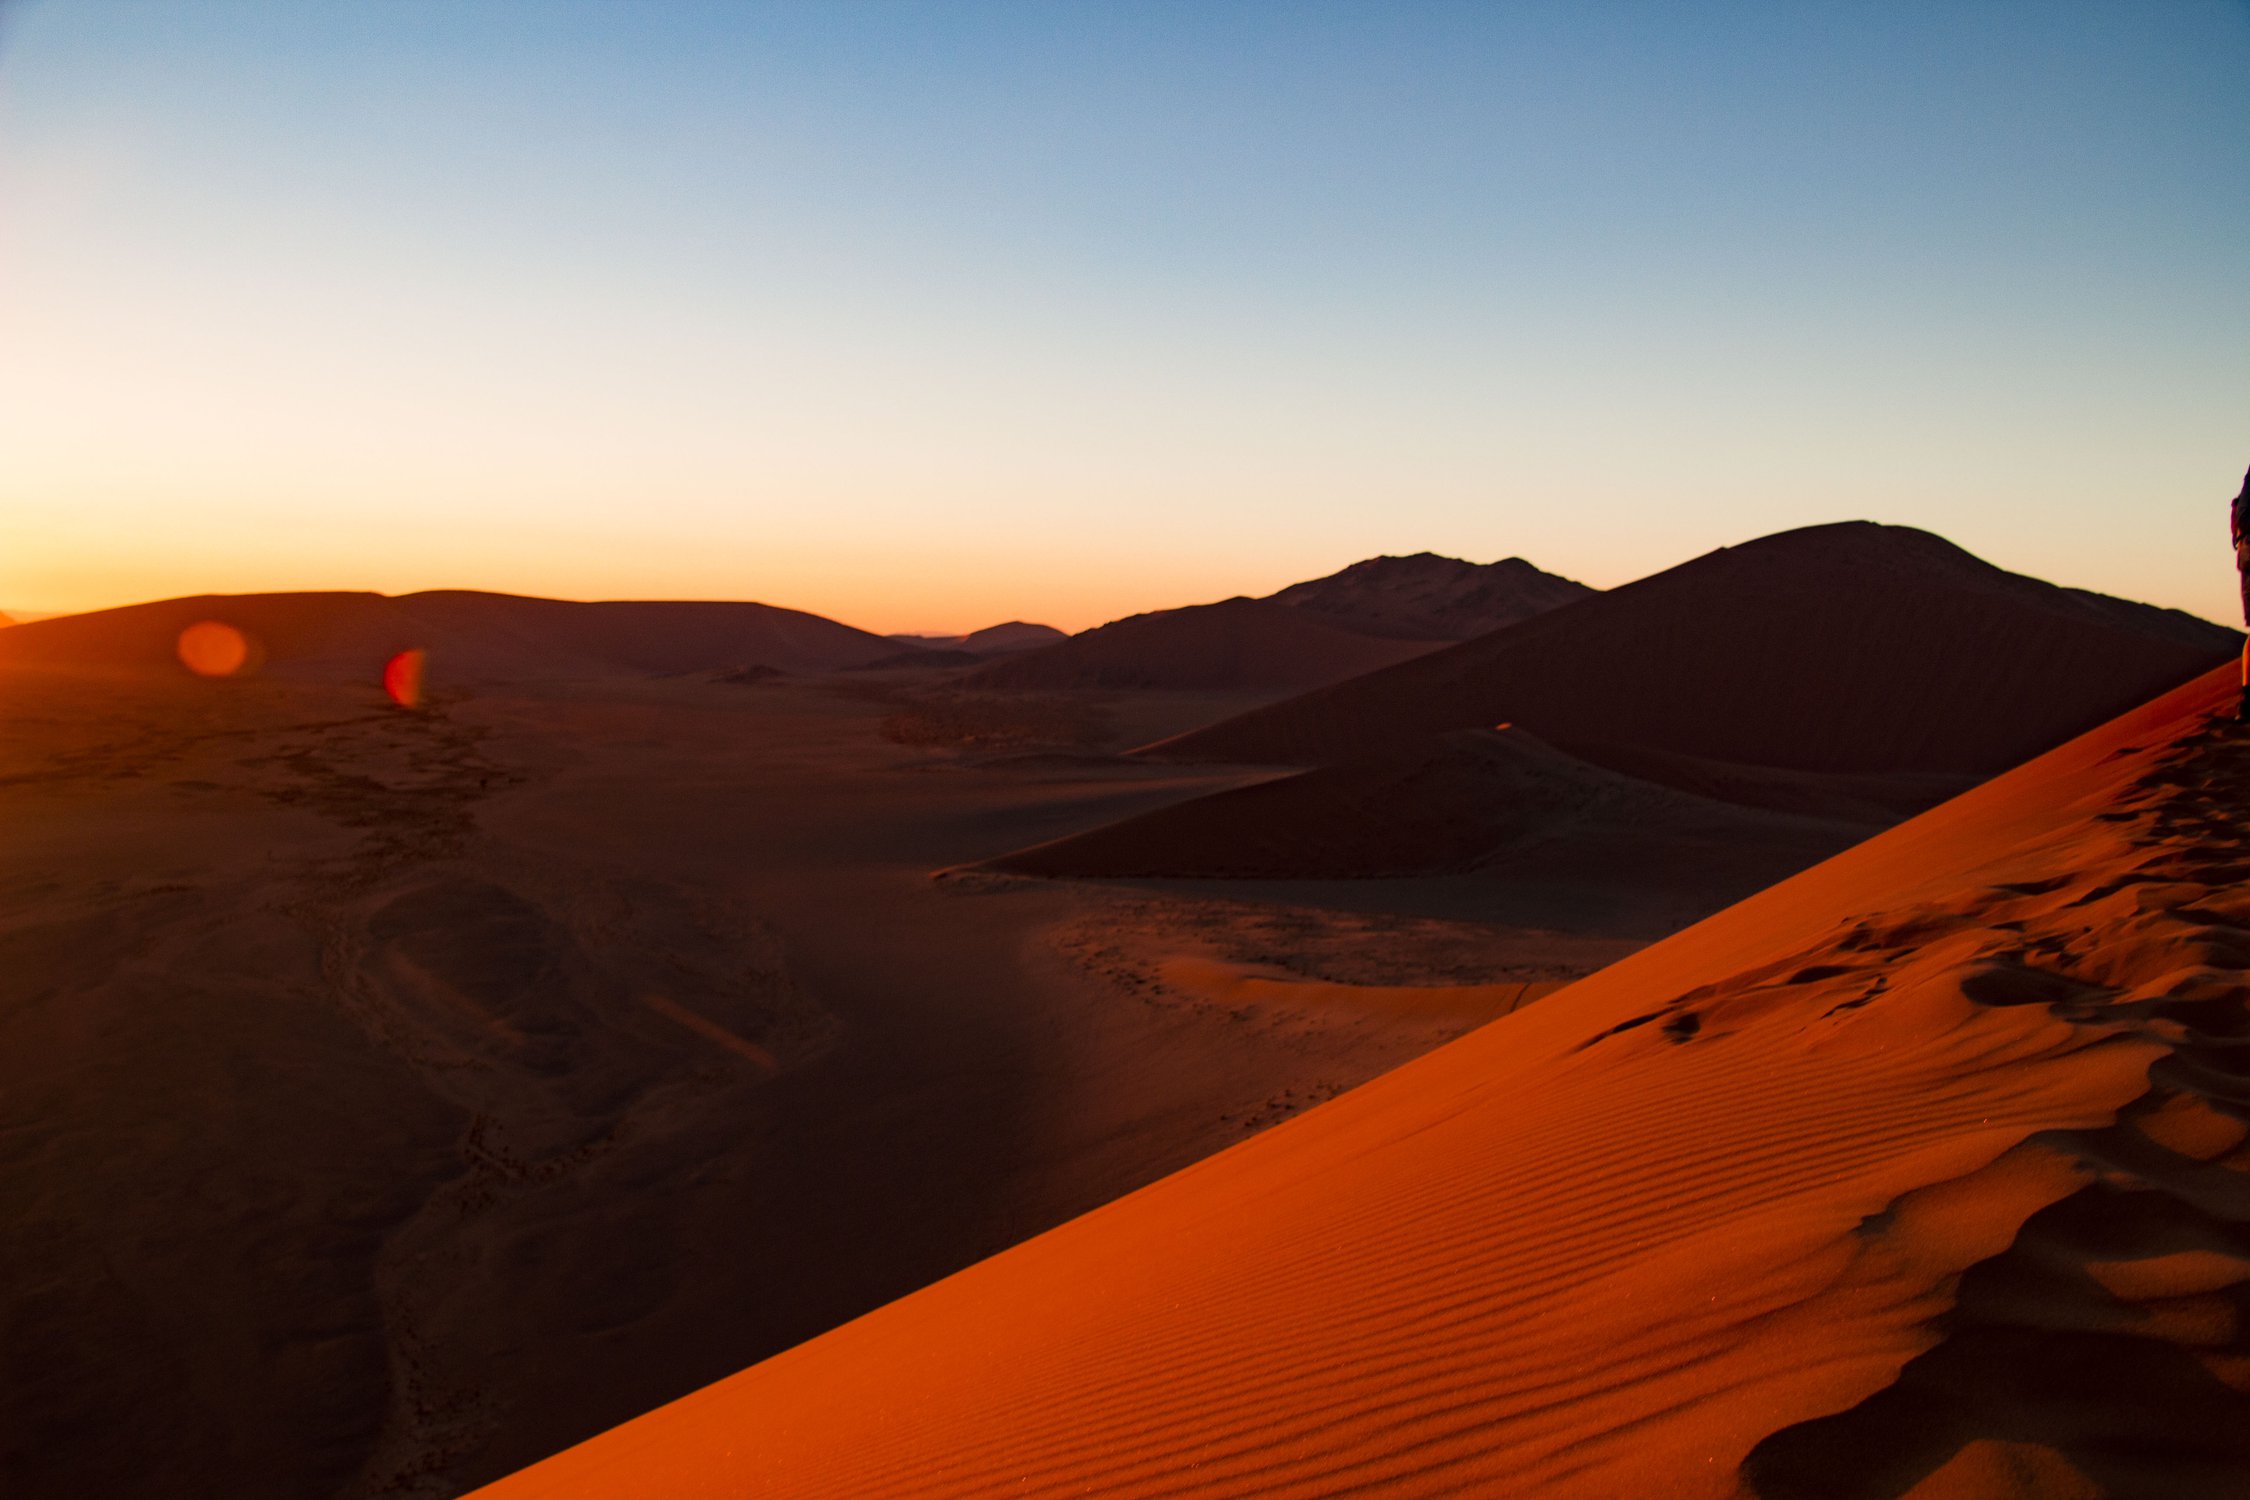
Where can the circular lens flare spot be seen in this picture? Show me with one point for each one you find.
(210, 649)
(402, 677)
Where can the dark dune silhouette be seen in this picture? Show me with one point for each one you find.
(1234, 645)
(1851, 647)
(1426, 597)
(471, 636)
(1304, 636)
(1877, 798)
(1501, 802)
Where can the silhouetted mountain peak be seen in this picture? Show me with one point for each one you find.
(1426, 596)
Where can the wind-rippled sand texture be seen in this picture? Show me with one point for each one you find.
(1922, 1173)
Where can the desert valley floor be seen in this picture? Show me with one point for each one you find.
(680, 1054)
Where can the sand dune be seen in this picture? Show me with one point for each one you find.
(1879, 798)
(1232, 646)
(1426, 597)
(1846, 648)
(1465, 801)
(471, 637)
(1921, 1173)
(1709, 831)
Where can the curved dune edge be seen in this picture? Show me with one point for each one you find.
(1704, 1224)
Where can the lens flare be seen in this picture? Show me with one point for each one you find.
(402, 677)
(211, 649)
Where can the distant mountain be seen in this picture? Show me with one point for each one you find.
(471, 637)
(1015, 635)
(1306, 635)
(1851, 647)
(1236, 645)
(993, 640)
(1426, 597)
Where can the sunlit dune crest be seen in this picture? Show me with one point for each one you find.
(211, 648)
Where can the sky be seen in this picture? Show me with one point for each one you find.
(928, 315)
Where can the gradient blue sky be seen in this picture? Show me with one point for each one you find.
(927, 315)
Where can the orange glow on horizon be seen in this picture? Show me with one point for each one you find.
(210, 648)
(402, 677)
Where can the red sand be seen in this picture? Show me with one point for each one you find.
(1920, 1172)
(1845, 648)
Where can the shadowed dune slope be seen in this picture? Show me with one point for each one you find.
(1015, 635)
(1426, 597)
(1920, 1173)
(1851, 648)
(1450, 804)
(1234, 645)
(1879, 798)
(470, 636)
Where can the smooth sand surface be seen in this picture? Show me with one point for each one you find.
(1921, 1173)
(1851, 648)
(389, 1099)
